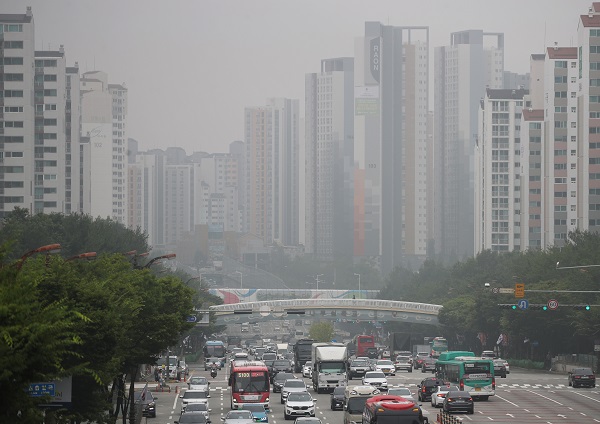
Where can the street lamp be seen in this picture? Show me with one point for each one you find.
(317, 278)
(193, 278)
(90, 256)
(241, 279)
(358, 275)
(168, 256)
(47, 249)
(574, 267)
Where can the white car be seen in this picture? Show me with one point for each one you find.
(299, 404)
(439, 394)
(199, 383)
(193, 396)
(307, 370)
(375, 379)
(292, 386)
(401, 391)
(240, 355)
(239, 416)
(506, 365)
(385, 366)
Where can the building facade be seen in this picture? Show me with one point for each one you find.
(390, 151)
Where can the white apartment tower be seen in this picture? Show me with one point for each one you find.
(391, 92)
(329, 141)
(472, 62)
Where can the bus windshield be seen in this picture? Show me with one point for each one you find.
(250, 382)
(214, 350)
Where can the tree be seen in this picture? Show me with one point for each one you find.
(321, 331)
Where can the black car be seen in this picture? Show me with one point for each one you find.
(192, 418)
(269, 364)
(458, 401)
(499, 368)
(428, 364)
(337, 398)
(148, 403)
(280, 365)
(427, 387)
(279, 379)
(582, 377)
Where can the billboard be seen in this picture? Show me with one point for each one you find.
(366, 100)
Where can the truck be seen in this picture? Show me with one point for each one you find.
(302, 353)
(399, 342)
(420, 352)
(329, 366)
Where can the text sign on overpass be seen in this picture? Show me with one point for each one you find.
(350, 309)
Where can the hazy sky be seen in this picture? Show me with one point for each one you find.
(191, 66)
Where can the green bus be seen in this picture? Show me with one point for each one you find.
(472, 374)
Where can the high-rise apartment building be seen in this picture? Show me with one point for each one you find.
(390, 150)
(472, 62)
(498, 179)
(272, 174)
(329, 159)
(103, 124)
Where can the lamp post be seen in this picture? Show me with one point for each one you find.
(168, 256)
(90, 256)
(358, 275)
(241, 279)
(47, 249)
(317, 278)
(574, 267)
(193, 278)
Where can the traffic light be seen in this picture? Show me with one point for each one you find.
(582, 307)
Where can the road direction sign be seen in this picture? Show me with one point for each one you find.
(505, 290)
(523, 304)
(553, 304)
(41, 389)
(519, 290)
(192, 318)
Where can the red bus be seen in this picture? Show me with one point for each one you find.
(363, 343)
(249, 382)
(392, 410)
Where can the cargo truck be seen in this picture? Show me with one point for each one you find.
(329, 366)
(302, 353)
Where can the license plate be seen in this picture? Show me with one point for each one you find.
(477, 389)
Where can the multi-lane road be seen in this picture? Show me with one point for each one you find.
(522, 397)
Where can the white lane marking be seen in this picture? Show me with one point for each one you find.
(587, 397)
(175, 402)
(508, 401)
(545, 397)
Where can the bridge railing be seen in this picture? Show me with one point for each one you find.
(378, 304)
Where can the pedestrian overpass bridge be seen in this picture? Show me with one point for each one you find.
(327, 309)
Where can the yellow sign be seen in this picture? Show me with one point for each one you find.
(519, 290)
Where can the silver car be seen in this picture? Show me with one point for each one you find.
(238, 416)
(199, 383)
(292, 386)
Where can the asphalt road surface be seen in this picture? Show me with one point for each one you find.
(522, 397)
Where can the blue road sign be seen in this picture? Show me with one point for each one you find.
(192, 318)
(41, 389)
(523, 304)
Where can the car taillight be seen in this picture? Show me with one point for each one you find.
(462, 385)
(576, 377)
(424, 389)
(494, 383)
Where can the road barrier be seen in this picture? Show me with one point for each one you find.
(446, 418)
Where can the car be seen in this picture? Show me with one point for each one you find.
(428, 364)
(269, 356)
(358, 368)
(439, 394)
(280, 379)
(199, 383)
(259, 412)
(192, 418)
(372, 364)
(458, 401)
(506, 365)
(307, 420)
(401, 391)
(299, 404)
(403, 362)
(269, 364)
(418, 360)
(280, 365)
(184, 369)
(238, 416)
(148, 403)
(372, 353)
(337, 398)
(292, 386)
(210, 362)
(499, 368)
(198, 407)
(385, 366)
(240, 355)
(426, 387)
(375, 379)
(582, 377)
(490, 354)
(193, 396)
(307, 370)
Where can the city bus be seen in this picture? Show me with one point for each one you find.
(437, 346)
(249, 383)
(385, 409)
(214, 349)
(472, 374)
(363, 343)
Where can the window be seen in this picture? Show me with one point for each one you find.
(560, 64)
(13, 61)
(560, 94)
(50, 92)
(11, 169)
(13, 27)
(13, 77)
(13, 109)
(11, 138)
(560, 79)
(46, 63)
(50, 122)
(13, 93)
(560, 124)
(13, 124)
(50, 77)
(560, 109)
(49, 106)
(13, 44)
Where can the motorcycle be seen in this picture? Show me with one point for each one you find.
(213, 372)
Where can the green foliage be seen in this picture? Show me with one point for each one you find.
(321, 331)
